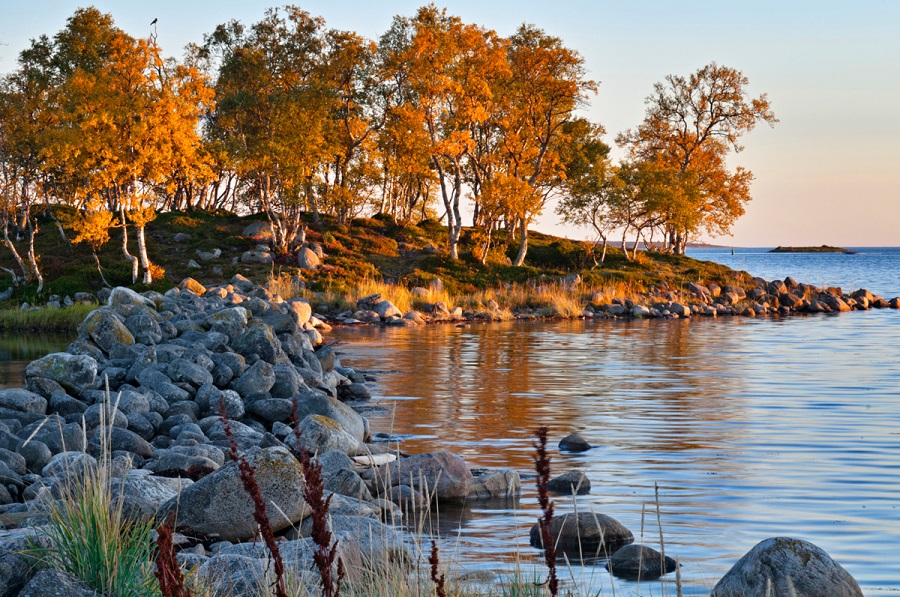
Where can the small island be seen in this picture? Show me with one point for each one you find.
(821, 249)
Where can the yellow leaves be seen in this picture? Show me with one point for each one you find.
(92, 226)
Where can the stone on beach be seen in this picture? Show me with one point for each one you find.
(218, 505)
(785, 566)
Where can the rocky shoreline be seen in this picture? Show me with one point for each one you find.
(766, 298)
(141, 390)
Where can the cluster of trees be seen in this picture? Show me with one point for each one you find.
(286, 116)
(674, 181)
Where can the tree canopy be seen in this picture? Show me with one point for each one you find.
(288, 117)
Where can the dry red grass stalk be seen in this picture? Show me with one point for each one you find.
(314, 492)
(436, 578)
(542, 466)
(168, 572)
(248, 479)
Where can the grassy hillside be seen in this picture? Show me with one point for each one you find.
(372, 249)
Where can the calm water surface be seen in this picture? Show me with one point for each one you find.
(750, 429)
(875, 268)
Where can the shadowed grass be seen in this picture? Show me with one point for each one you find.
(66, 319)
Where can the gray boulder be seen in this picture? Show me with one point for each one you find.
(72, 372)
(19, 399)
(56, 434)
(318, 434)
(574, 443)
(117, 438)
(585, 534)
(271, 409)
(17, 567)
(183, 370)
(347, 482)
(317, 403)
(144, 495)
(55, 583)
(287, 382)
(259, 339)
(235, 575)
(364, 542)
(574, 482)
(442, 475)
(498, 485)
(785, 566)
(386, 309)
(144, 327)
(217, 505)
(258, 379)
(639, 562)
(106, 328)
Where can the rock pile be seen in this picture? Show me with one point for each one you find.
(144, 384)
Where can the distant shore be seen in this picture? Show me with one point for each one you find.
(819, 249)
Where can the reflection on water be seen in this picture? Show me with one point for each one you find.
(17, 349)
(750, 428)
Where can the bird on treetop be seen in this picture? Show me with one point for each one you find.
(154, 22)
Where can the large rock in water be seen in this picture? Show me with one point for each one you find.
(585, 534)
(73, 372)
(442, 475)
(639, 562)
(218, 505)
(785, 566)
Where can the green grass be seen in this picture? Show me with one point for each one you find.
(65, 319)
(91, 538)
(375, 249)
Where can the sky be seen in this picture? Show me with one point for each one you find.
(827, 173)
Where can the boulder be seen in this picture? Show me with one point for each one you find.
(193, 286)
(785, 566)
(317, 403)
(307, 259)
(73, 372)
(259, 378)
(126, 297)
(574, 482)
(497, 485)
(585, 534)
(56, 583)
(144, 495)
(17, 567)
(217, 505)
(259, 339)
(386, 309)
(22, 400)
(321, 434)
(106, 328)
(441, 475)
(260, 257)
(364, 542)
(260, 232)
(639, 562)
(574, 443)
(237, 575)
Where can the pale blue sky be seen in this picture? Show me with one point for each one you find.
(829, 172)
